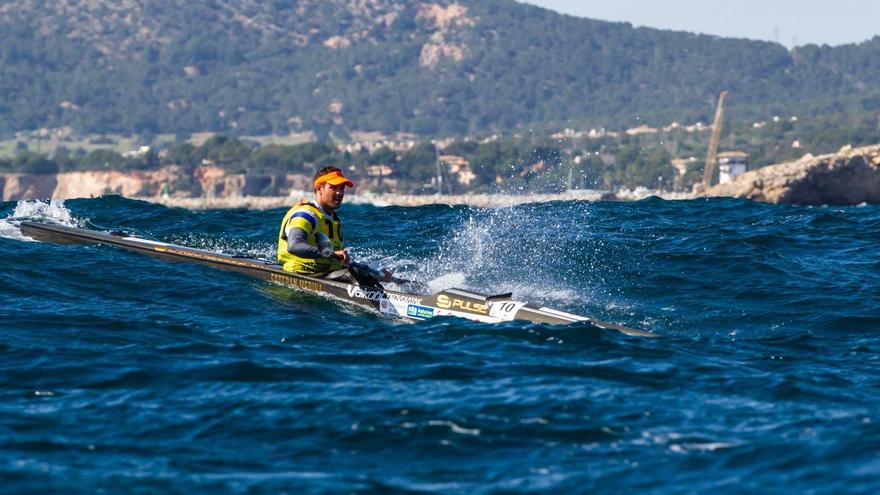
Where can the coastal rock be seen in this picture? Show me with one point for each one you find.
(231, 186)
(214, 182)
(69, 185)
(97, 183)
(296, 182)
(27, 186)
(209, 178)
(849, 177)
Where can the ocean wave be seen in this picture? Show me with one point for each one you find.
(123, 373)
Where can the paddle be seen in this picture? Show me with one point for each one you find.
(359, 270)
(380, 276)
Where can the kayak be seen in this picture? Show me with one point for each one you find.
(409, 306)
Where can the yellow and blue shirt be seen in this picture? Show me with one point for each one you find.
(312, 220)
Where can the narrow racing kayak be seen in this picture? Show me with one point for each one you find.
(410, 306)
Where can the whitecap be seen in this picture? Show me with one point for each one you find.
(52, 211)
(454, 427)
(700, 447)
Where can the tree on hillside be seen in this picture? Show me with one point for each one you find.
(419, 164)
(186, 155)
(33, 163)
(229, 153)
(102, 159)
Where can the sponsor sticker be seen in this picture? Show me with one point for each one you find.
(446, 302)
(404, 298)
(380, 295)
(386, 307)
(505, 310)
(368, 294)
(295, 282)
(416, 311)
(443, 301)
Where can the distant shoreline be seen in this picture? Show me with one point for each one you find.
(477, 200)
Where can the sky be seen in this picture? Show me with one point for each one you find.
(789, 22)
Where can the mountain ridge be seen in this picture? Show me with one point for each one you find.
(448, 67)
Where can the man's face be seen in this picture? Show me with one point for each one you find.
(330, 197)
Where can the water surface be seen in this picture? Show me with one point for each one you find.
(126, 374)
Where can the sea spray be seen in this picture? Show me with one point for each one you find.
(542, 253)
(52, 211)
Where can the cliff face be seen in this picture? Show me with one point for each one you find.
(27, 186)
(214, 183)
(135, 183)
(84, 184)
(849, 177)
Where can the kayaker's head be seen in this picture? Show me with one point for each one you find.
(330, 188)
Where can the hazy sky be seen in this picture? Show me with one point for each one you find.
(790, 22)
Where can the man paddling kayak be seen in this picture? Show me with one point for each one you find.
(310, 240)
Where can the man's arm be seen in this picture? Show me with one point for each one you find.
(297, 245)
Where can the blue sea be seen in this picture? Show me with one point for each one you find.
(121, 373)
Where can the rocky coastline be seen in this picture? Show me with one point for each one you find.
(476, 200)
(850, 176)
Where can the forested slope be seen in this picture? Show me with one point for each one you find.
(434, 68)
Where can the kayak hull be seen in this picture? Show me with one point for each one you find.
(450, 302)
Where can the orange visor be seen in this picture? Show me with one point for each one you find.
(334, 179)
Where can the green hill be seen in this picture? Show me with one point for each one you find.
(442, 68)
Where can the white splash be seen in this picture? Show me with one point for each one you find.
(454, 279)
(53, 211)
(512, 250)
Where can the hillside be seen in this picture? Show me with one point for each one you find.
(439, 67)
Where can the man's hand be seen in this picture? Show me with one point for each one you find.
(387, 275)
(342, 256)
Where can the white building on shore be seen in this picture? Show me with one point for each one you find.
(731, 164)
